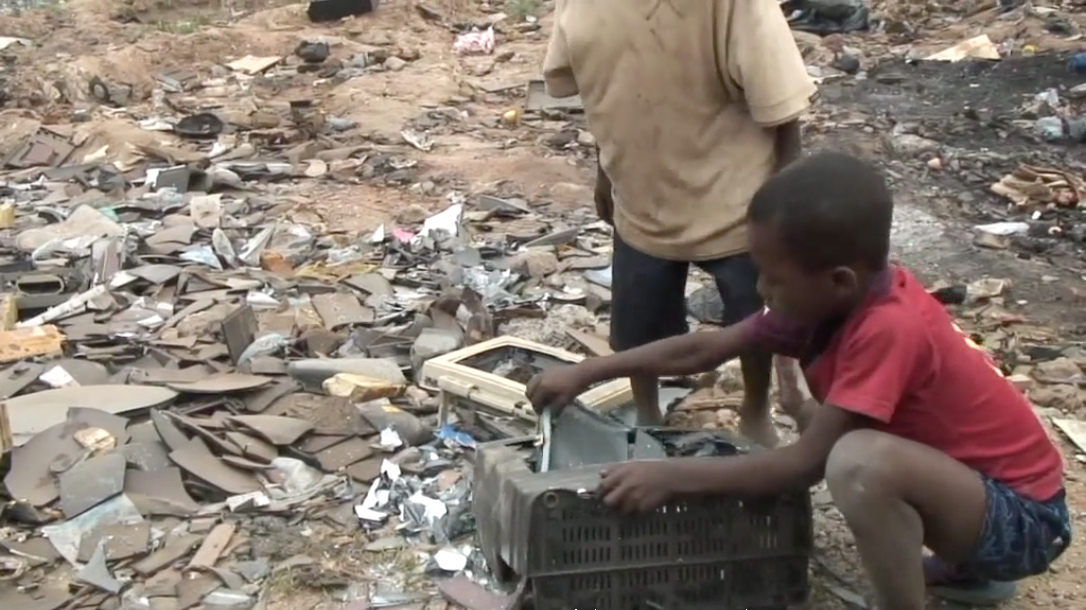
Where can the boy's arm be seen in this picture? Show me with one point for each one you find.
(874, 370)
(758, 54)
(683, 355)
(557, 66)
(787, 144)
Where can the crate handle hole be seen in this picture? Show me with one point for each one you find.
(550, 500)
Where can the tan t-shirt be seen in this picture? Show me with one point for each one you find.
(681, 97)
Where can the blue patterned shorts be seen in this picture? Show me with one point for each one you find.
(1021, 537)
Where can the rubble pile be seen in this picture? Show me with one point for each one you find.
(245, 397)
(188, 369)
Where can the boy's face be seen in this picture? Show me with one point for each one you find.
(791, 290)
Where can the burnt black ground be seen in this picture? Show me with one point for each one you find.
(981, 116)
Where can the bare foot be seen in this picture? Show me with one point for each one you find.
(756, 424)
(652, 419)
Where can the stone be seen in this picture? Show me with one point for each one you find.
(1066, 398)
(706, 419)
(412, 215)
(536, 263)
(908, 144)
(1060, 370)
(395, 64)
(1022, 381)
(431, 343)
(848, 64)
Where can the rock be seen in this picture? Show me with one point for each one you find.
(991, 241)
(730, 377)
(412, 215)
(395, 64)
(1049, 128)
(1076, 128)
(421, 402)
(1061, 370)
(705, 305)
(705, 419)
(585, 138)
(382, 414)
(1066, 398)
(536, 263)
(431, 343)
(596, 298)
(848, 64)
(911, 145)
(985, 289)
(1022, 381)
(727, 419)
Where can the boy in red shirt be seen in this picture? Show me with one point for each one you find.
(921, 440)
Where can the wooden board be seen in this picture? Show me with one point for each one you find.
(6, 440)
(30, 342)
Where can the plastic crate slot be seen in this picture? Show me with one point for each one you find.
(698, 554)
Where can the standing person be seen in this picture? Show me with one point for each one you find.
(694, 106)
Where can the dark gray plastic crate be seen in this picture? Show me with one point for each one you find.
(700, 553)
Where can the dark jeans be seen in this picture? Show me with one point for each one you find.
(647, 294)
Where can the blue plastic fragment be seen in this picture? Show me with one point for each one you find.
(451, 434)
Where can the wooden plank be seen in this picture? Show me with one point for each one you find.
(20, 343)
(7, 443)
(29, 342)
(9, 312)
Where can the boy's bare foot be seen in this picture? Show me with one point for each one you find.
(756, 423)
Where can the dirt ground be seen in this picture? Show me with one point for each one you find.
(459, 101)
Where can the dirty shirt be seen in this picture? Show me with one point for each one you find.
(901, 361)
(681, 98)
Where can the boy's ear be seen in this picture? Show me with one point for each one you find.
(844, 278)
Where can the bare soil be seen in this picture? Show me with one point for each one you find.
(460, 101)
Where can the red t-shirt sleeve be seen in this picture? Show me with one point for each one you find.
(876, 365)
(768, 331)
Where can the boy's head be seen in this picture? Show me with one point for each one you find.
(819, 231)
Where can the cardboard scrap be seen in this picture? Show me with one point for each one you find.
(253, 65)
(979, 47)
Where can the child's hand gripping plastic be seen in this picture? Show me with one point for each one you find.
(555, 388)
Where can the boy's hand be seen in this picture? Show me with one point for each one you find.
(638, 486)
(556, 387)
